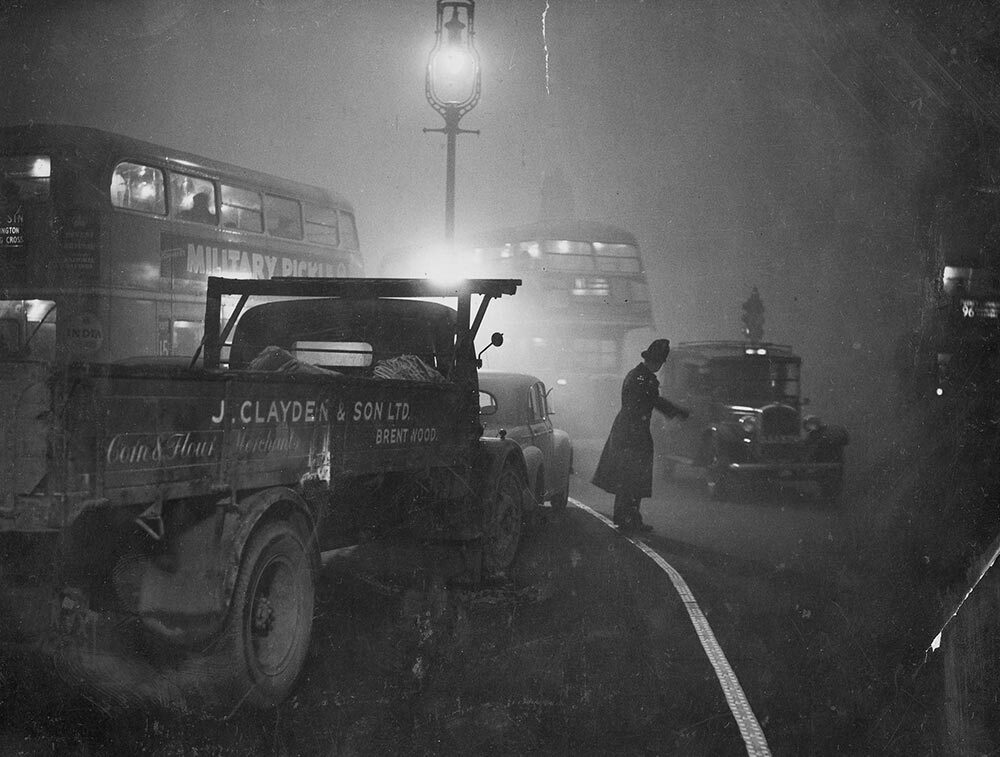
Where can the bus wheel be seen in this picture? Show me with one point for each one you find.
(270, 620)
(503, 522)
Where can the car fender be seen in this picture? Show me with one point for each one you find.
(725, 435)
(835, 436)
(493, 455)
(534, 461)
(563, 450)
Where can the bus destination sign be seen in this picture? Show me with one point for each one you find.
(12, 229)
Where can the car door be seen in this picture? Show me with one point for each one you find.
(541, 430)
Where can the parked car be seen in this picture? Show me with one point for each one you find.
(746, 418)
(515, 406)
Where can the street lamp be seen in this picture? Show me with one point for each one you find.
(452, 86)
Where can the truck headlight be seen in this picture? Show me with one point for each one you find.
(812, 424)
(749, 424)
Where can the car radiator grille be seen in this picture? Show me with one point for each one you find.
(779, 420)
(779, 452)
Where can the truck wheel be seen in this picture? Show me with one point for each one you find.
(270, 620)
(502, 529)
(718, 479)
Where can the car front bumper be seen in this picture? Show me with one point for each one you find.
(789, 469)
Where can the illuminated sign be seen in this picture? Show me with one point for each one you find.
(12, 230)
(987, 309)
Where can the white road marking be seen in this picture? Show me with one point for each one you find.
(753, 736)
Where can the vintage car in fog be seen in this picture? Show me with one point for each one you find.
(746, 419)
(515, 406)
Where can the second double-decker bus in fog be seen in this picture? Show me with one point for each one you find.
(108, 241)
(582, 316)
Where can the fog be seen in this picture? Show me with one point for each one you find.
(788, 146)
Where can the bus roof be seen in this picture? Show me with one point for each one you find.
(572, 230)
(101, 149)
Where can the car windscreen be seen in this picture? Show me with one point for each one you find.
(754, 380)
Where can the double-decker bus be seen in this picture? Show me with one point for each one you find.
(581, 318)
(107, 242)
(964, 328)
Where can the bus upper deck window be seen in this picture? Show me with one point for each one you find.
(283, 217)
(192, 199)
(321, 226)
(567, 255)
(138, 187)
(348, 232)
(25, 177)
(241, 209)
(623, 258)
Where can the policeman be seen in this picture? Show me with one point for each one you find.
(626, 465)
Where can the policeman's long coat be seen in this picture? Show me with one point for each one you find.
(626, 464)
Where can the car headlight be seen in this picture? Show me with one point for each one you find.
(749, 424)
(812, 423)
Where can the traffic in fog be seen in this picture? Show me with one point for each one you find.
(511, 376)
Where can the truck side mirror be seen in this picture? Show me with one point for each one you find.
(495, 341)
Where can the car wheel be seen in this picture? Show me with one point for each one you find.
(270, 619)
(718, 479)
(503, 522)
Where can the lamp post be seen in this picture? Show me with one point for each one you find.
(452, 86)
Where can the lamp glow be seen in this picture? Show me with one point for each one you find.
(41, 168)
(452, 85)
(453, 74)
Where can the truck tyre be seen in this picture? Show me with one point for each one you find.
(270, 619)
(503, 522)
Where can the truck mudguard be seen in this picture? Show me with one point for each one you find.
(278, 501)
